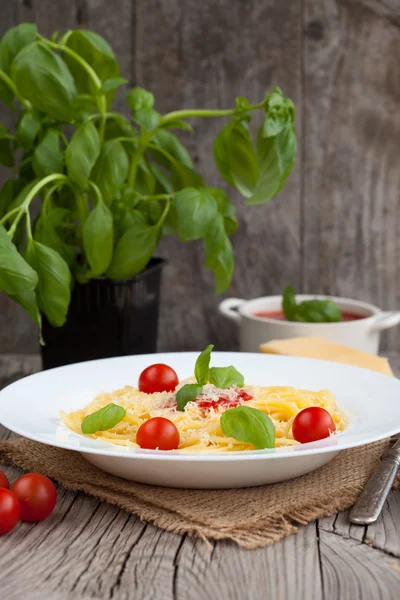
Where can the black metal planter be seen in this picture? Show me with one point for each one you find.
(107, 318)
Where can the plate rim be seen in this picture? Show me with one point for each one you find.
(320, 447)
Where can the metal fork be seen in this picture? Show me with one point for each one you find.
(371, 500)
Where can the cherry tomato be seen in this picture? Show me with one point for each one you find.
(158, 378)
(9, 511)
(4, 481)
(158, 433)
(37, 496)
(312, 424)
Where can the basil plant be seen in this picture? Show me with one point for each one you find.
(104, 188)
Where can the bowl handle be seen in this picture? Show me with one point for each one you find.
(385, 320)
(228, 308)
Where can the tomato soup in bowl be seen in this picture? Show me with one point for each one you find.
(261, 320)
(279, 315)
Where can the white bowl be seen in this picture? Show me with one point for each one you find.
(31, 406)
(362, 334)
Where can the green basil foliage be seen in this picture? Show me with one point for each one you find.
(103, 419)
(105, 188)
(188, 393)
(225, 377)
(221, 377)
(201, 368)
(309, 311)
(250, 425)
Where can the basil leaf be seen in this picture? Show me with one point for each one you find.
(318, 311)
(134, 250)
(223, 268)
(214, 241)
(113, 84)
(147, 118)
(48, 230)
(42, 77)
(182, 175)
(289, 305)
(187, 393)
(139, 98)
(235, 157)
(226, 209)
(196, 209)
(279, 112)
(178, 124)
(16, 275)
(226, 377)
(111, 169)
(202, 365)
(249, 425)
(103, 419)
(170, 143)
(161, 178)
(145, 182)
(27, 129)
(100, 56)
(98, 239)
(48, 157)
(82, 153)
(276, 157)
(13, 41)
(309, 311)
(53, 289)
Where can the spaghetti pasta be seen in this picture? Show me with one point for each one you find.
(199, 423)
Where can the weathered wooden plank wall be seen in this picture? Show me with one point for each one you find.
(335, 227)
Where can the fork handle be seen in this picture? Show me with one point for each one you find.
(371, 500)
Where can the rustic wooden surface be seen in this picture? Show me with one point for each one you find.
(335, 228)
(87, 549)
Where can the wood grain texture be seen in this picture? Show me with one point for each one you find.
(351, 203)
(207, 54)
(335, 228)
(87, 549)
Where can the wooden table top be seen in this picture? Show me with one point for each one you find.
(88, 549)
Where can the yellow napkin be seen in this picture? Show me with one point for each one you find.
(314, 347)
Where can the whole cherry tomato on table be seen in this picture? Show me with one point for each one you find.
(37, 496)
(158, 378)
(158, 433)
(4, 483)
(9, 511)
(312, 424)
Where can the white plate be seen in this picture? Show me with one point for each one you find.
(31, 406)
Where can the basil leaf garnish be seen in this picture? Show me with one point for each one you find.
(201, 368)
(225, 377)
(187, 393)
(289, 305)
(103, 419)
(309, 311)
(249, 425)
(318, 311)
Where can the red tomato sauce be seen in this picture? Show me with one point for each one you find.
(279, 316)
(224, 401)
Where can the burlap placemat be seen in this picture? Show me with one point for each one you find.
(252, 517)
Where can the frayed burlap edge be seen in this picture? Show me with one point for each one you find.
(256, 533)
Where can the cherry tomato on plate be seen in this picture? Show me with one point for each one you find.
(9, 511)
(37, 496)
(4, 481)
(158, 433)
(312, 424)
(158, 378)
